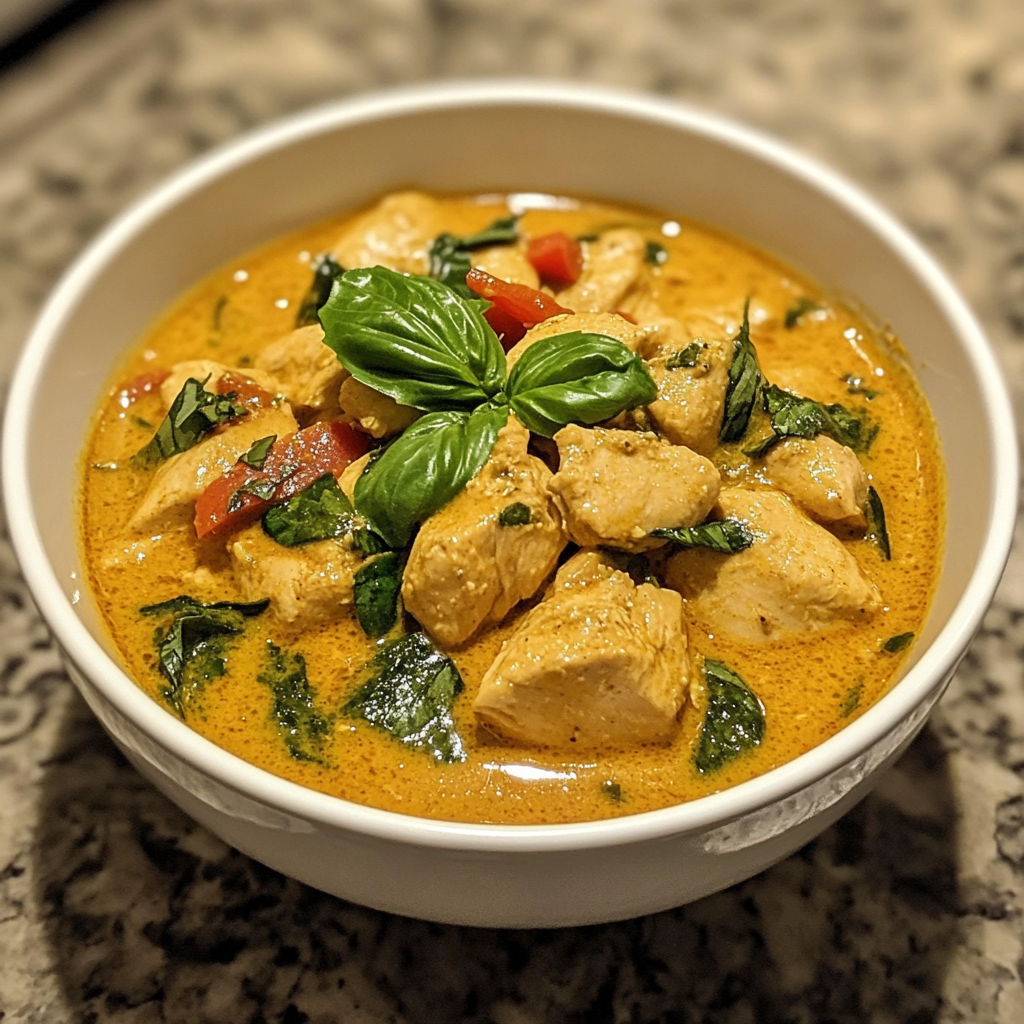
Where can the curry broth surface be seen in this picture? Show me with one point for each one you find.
(810, 687)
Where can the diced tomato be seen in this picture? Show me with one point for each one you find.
(625, 315)
(292, 464)
(247, 391)
(508, 329)
(527, 305)
(144, 384)
(557, 257)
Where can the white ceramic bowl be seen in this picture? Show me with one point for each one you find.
(496, 137)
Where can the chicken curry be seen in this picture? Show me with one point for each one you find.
(513, 509)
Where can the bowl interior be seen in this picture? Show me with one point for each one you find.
(324, 162)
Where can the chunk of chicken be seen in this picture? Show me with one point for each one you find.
(307, 371)
(823, 477)
(397, 233)
(611, 267)
(201, 369)
(507, 262)
(350, 474)
(796, 577)
(306, 585)
(182, 478)
(598, 663)
(376, 414)
(615, 486)
(610, 324)
(466, 569)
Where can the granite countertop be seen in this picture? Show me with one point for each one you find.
(114, 907)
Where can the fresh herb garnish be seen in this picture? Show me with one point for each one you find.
(450, 255)
(795, 416)
(799, 309)
(733, 722)
(325, 269)
(744, 383)
(855, 386)
(728, 536)
(293, 709)
(897, 643)
(655, 253)
(852, 700)
(612, 790)
(263, 487)
(193, 647)
(516, 514)
(140, 422)
(685, 358)
(375, 591)
(258, 452)
(877, 532)
(410, 693)
(193, 414)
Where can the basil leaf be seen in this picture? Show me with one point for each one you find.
(258, 452)
(655, 253)
(687, 357)
(375, 590)
(450, 259)
(425, 468)
(795, 416)
(325, 269)
(318, 512)
(744, 384)
(576, 378)
(852, 700)
(733, 722)
(193, 414)
(728, 536)
(410, 694)
(798, 309)
(293, 709)
(897, 643)
(877, 532)
(855, 386)
(193, 647)
(516, 514)
(413, 339)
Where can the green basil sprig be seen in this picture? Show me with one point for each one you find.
(729, 536)
(733, 722)
(877, 532)
(304, 728)
(375, 590)
(325, 269)
(450, 259)
(745, 381)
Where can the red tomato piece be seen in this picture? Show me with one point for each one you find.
(248, 392)
(292, 464)
(527, 305)
(625, 315)
(508, 329)
(144, 384)
(557, 257)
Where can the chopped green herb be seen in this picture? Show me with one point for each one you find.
(728, 536)
(375, 590)
(450, 259)
(193, 414)
(258, 452)
(655, 253)
(218, 312)
(587, 238)
(733, 722)
(855, 386)
(744, 383)
(263, 487)
(410, 693)
(516, 514)
(800, 308)
(877, 532)
(140, 422)
(325, 269)
(851, 701)
(612, 790)
(193, 647)
(293, 709)
(897, 643)
(687, 357)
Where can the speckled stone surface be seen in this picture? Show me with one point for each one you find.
(114, 907)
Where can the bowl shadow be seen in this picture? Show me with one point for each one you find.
(151, 918)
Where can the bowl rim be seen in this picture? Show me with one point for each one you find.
(931, 671)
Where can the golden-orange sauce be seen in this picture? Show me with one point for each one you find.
(810, 686)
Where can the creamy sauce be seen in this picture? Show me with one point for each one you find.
(810, 686)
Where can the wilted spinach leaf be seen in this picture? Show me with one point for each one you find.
(877, 532)
(375, 588)
(325, 269)
(410, 693)
(744, 383)
(734, 719)
(728, 536)
(303, 727)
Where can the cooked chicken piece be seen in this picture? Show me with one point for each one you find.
(201, 369)
(598, 663)
(610, 324)
(307, 371)
(795, 577)
(397, 233)
(182, 478)
(611, 266)
(507, 262)
(350, 474)
(614, 486)
(306, 585)
(823, 477)
(466, 569)
(376, 414)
